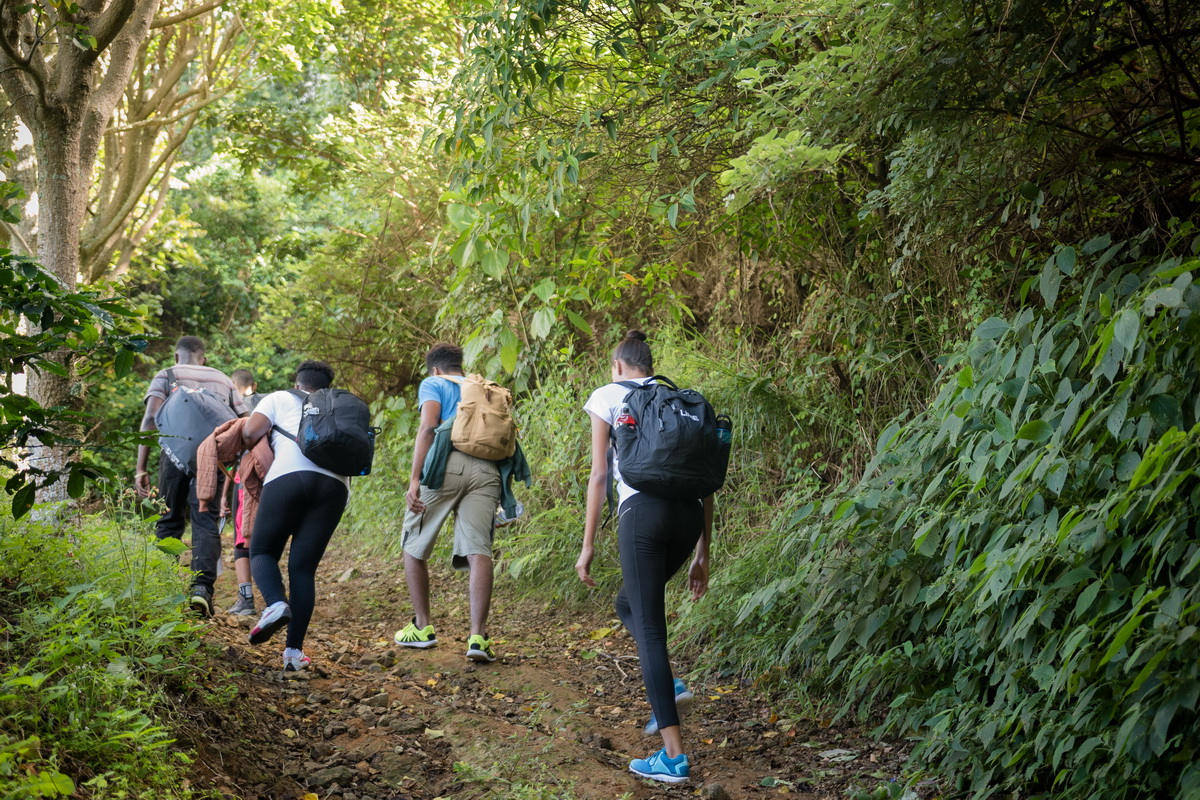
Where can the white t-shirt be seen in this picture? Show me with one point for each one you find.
(604, 404)
(283, 409)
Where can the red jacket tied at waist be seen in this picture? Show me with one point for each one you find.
(225, 446)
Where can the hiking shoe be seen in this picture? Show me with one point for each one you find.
(200, 599)
(683, 703)
(661, 767)
(244, 607)
(296, 663)
(412, 636)
(480, 649)
(274, 617)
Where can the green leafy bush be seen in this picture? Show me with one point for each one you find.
(1015, 577)
(93, 637)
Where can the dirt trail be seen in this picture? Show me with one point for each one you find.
(558, 715)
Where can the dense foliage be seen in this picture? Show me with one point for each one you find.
(935, 259)
(93, 639)
(39, 320)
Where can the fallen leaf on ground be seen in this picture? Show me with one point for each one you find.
(430, 733)
(288, 732)
(600, 633)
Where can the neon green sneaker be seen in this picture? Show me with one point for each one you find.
(480, 649)
(412, 636)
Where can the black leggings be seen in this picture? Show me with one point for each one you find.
(655, 537)
(306, 506)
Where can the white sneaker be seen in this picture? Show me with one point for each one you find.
(296, 663)
(273, 618)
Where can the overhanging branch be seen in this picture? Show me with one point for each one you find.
(185, 15)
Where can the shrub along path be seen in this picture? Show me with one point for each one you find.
(558, 715)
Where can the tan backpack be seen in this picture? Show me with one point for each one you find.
(483, 426)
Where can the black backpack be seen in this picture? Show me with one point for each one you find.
(335, 431)
(186, 418)
(677, 447)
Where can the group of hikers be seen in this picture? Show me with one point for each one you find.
(280, 466)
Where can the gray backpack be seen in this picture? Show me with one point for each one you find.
(186, 419)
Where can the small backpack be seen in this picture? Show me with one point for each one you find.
(483, 425)
(676, 446)
(186, 418)
(335, 431)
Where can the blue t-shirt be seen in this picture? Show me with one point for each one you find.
(440, 390)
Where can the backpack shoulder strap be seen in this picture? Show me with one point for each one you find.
(629, 384)
(667, 381)
(301, 396)
(171, 381)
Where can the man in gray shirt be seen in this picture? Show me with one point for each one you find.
(176, 487)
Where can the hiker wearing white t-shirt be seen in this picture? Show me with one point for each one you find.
(300, 501)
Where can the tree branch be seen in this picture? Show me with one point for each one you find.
(112, 20)
(23, 66)
(185, 15)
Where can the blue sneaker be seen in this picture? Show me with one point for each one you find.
(683, 702)
(661, 767)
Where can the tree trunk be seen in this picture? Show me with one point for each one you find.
(61, 193)
(65, 91)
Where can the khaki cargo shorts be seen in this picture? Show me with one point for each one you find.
(471, 489)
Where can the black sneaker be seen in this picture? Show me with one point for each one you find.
(200, 600)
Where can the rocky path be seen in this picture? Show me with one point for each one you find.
(558, 715)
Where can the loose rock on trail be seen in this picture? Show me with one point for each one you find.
(558, 715)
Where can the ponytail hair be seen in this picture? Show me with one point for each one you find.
(634, 352)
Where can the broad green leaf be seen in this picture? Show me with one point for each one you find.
(1122, 636)
(1065, 259)
(23, 500)
(578, 321)
(1049, 282)
(76, 483)
(171, 546)
(1125, 327)
(545, 290)
(1035, 430)
(123, 362)
(992, 328)
(543, 322)
(966, 378)
(493, 262)
(1167, 296)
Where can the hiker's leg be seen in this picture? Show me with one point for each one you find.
(173, 491)
(420, 535)
(624, 612)
(241, 565)
(326, 500)
(482, 576)
(474, 528)
(416, 575)
(206, 535)
(278, 514)
(652, 549)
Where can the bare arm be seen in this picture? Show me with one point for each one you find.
(431, 415)
(254, 428)
(698, 573)
(596, 491)
(141, 478)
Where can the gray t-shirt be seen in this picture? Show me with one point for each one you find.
(195, 376)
